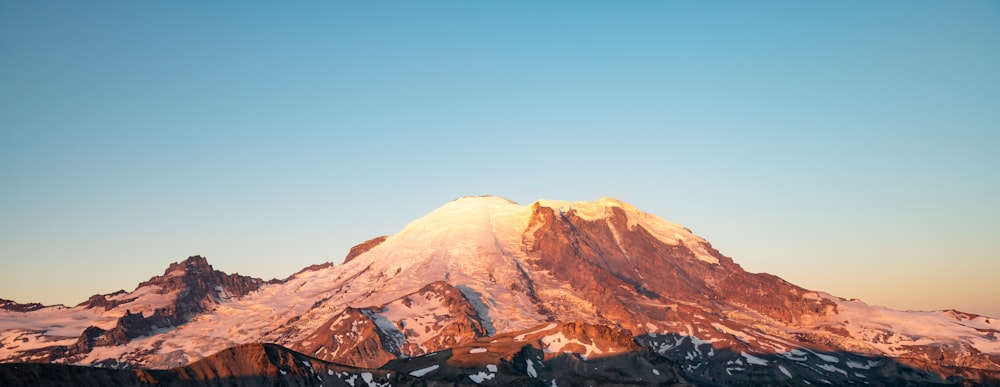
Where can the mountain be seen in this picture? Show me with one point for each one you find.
(479, 268)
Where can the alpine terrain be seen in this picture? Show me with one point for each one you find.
(486, 291)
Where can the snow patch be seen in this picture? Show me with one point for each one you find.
(540, 330)
(424, 371)
(481, 376)
(754, 360)
(831, 368)
(794, 355)
(531, 369)
(477, 350)
(826, 358)
(736, 334)
(557, 341)
(857, 365)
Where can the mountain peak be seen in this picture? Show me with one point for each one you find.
(458, 233)
(482, 199)
(194, 263)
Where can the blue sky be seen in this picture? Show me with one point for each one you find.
(847, 147)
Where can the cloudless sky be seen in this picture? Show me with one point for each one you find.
(851, 147)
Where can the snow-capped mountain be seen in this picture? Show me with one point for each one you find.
(479, 268)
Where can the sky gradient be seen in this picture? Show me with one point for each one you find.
(847, 147)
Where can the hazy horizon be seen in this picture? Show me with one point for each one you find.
(846, 148)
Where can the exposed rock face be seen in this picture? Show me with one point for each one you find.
(364, 247)
(15, 307)
(434, 318)
(583, 340)
(315, 267)
(351, 338)
(199, 286)
(612, 264)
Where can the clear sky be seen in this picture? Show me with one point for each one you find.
(851, 147)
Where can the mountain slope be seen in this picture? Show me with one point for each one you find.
(479, 267)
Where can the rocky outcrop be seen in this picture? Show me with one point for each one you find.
(21, 308)
(314, 267)
(350, 337)
(434, 318)
(200, 285)
(106, 301)
(363, 247)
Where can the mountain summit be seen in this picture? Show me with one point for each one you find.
(489, 271)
